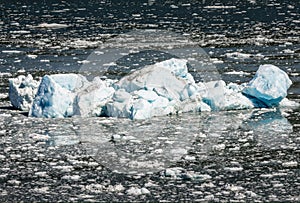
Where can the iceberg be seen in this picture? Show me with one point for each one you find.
(55, 95)
(156, 90)
(268, 87)
(22, 91)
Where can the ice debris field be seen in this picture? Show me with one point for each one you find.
(156, 90)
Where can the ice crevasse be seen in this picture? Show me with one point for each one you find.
(155, 90)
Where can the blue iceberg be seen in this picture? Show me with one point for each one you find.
(268, 87)
(55, 95)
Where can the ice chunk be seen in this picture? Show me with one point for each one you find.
(120, 104)
(52, 25)
(147, 95)
(156, 90)
(268, 87)
(222, 97)
(56, 94)
(169, 79)
(22, 91)
(150, 105)
(90, 101)
(288, 103)
(140, 109)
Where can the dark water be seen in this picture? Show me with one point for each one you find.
(241, 156)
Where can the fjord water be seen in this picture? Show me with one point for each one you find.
(250, 155)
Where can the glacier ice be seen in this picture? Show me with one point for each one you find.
(268, 87)
(65, 95)
(169, 79)
(55, 95)
(22, 91)
(155, 90)
(89, 101)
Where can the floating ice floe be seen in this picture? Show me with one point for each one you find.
(22, 91)
(155, 90)
(52, 25)
(239, 55)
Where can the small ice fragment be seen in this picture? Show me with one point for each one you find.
(32, 56)
(52, 25)
(290, 164)
(137, 191)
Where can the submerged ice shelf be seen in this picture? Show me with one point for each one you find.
(155, 90)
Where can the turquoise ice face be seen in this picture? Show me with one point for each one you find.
(269, 86)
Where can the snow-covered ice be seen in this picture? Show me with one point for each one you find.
(269, 86)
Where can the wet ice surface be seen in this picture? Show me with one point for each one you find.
(244, 156)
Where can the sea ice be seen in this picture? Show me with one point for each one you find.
(22, 91)
(268, 87)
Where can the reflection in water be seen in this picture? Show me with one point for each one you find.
(127, 146)
(270, 128)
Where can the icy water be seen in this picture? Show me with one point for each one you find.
(239, 156)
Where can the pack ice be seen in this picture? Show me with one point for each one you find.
(155, 90)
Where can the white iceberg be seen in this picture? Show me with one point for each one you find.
(268, 87)
(56, 94)
(22, 91)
